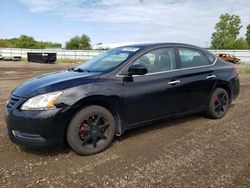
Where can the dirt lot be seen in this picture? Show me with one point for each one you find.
(187, 152)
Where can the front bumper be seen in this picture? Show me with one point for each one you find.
(37, 128)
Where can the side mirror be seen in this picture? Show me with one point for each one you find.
(137, 69)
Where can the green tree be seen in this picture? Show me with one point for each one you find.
(3, 43)
(229, 43)
(73, 43)
(42, 44)
(25, 41)
(85, 42)
(226, 31)
(240, 43)
(10, 43)
(248, 35)
(77, 42)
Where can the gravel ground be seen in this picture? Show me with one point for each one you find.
(188, 152)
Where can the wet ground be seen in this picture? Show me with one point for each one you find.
(188, 152)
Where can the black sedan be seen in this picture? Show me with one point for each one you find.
(118, 90)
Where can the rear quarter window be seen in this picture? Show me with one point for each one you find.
(211, 58)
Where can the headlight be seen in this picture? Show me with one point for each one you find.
(41, 102)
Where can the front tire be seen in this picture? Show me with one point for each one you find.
(91, 130)
(218, 104)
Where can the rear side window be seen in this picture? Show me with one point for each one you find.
(192, 58)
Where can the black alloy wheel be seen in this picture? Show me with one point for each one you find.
(218, 104)
(91, 130)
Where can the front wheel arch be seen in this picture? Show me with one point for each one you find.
(109, 103)
(88, 115)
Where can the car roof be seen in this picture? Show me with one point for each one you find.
(153, 45)
(146, 45)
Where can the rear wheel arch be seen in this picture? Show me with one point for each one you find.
(218, 103)
(226, 87)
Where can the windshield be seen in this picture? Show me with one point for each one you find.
(108, 60)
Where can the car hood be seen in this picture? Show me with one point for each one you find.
(54, 82)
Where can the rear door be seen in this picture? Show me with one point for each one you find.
(197, 78)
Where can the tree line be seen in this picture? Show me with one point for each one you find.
(25, 41)
(226, 36)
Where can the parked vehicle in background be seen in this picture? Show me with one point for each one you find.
(121, 89)
(229, 58)
(42, 57)
(14, 58)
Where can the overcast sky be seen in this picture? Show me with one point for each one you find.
(118, 21)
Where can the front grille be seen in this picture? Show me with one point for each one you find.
(13, 100)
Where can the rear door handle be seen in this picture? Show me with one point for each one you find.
(211, 76)
(174, 82)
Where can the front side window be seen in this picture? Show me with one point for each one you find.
(158, 60)
(192, 58)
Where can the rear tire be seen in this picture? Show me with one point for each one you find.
(218, 104)
(91, 130)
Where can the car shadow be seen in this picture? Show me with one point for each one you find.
(50, 151)
(155, 126)
(65, 149)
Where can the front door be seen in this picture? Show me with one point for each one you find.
(156, 94)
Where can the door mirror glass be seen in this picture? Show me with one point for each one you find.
(137, 69)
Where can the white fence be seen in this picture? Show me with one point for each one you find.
(244, 55)
(61, 53)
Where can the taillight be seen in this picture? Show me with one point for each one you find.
(236, 70)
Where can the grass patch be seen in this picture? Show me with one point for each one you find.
(244, 68)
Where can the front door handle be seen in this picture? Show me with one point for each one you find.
(211, 76)
(174, 82)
